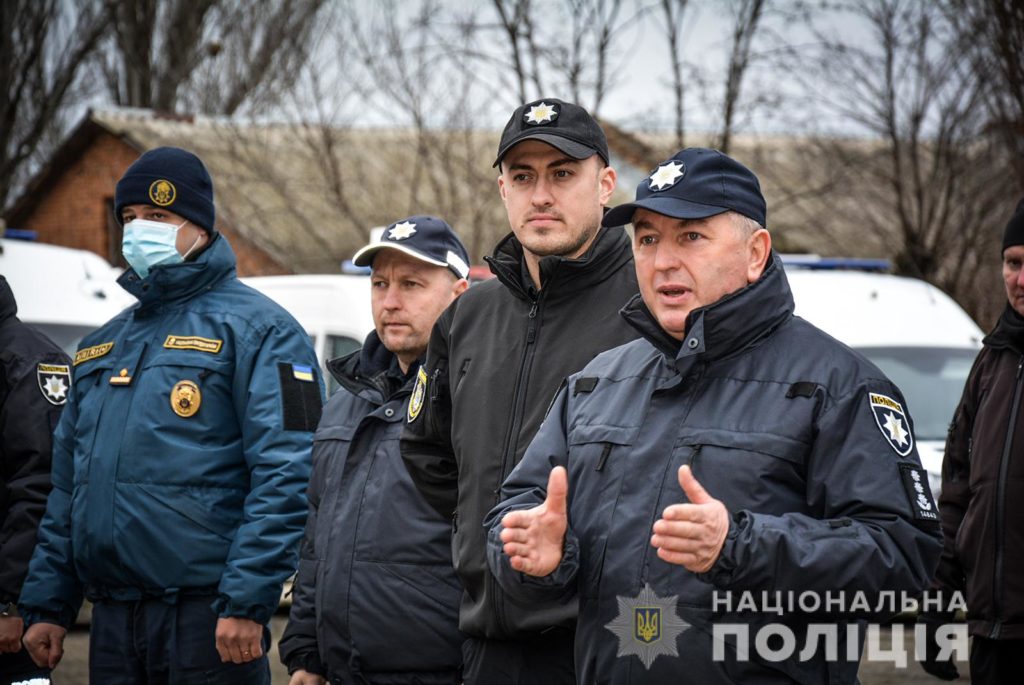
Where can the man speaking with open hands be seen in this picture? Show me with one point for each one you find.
(732, 449)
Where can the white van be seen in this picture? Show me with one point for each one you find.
(65, 293)
(334, 310)
(910, 329)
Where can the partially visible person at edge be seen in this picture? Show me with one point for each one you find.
(733, 449)
(35, 378)
(498, 354)
(376, 599)
(982, 498)
(181, 459)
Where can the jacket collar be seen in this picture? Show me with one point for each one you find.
(725, 327)
(559, 275)
(1008, 332)
(8, 307)
(172, 283)
(372, 372)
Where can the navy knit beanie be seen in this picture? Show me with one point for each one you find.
(171, 178)
(1014, 233)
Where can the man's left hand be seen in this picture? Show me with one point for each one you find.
(239, 640)
(692, 535)
(11, 628)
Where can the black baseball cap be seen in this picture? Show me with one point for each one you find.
(694, 184)
(422, 237)
(563, 125)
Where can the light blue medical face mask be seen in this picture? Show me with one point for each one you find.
(151, 243)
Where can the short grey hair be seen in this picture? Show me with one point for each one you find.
(744, 225)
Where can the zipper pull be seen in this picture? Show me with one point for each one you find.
(533, 309)
(604, 456)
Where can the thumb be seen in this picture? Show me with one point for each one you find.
(694, 490)
(558, 490)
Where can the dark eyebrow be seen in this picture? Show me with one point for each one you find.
(562, 161)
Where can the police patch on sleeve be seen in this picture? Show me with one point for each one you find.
(418, 393)
(892, 421)
(54, 382)
(915, 482)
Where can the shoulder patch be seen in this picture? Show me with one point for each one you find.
(419, 392)
(301, 403)
(892, 422)
(919, 494)
(193, 342)
(94, 352)
(54, 382)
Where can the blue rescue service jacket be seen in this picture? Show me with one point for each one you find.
(808, 445)
(181, 459)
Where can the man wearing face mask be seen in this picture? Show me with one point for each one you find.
(180, 462)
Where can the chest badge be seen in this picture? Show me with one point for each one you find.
(418, 393)
(647, 626)
(186, 398)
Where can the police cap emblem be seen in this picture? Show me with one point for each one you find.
(666, 176)
(541, 113)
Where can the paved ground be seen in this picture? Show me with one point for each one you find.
(72, 670)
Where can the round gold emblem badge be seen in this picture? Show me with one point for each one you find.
(186, 398)
(162, 192)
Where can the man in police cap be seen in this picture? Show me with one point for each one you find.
(35, 379)
(376, 599)
(497, 356)
(733, 448)
(181, 459)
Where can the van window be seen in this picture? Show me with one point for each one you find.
(338, 346)
(932, 380)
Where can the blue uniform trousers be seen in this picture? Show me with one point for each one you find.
(154, 642)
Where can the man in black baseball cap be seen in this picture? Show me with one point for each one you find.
(734, 448)
(504, 347)
(390, 574)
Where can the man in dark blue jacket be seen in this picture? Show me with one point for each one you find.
(180, 461)
(35, 378)
(733, 459)
(376, 599)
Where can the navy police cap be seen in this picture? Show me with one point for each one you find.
(422, 237)
(694, 184)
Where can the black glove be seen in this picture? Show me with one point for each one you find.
(945, 669)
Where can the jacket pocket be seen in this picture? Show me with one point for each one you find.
(765, 473)
(405, 617)
(598, 461)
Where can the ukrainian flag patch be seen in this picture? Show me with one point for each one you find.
(302, 373)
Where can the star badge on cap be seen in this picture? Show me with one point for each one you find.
(402, 231)
(541, 113)
(667, 175)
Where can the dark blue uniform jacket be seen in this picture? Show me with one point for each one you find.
(787, 427)
(376, 599)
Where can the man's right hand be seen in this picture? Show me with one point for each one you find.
(535, 538)
(10, 634)
(301, 677)
(45, 644)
